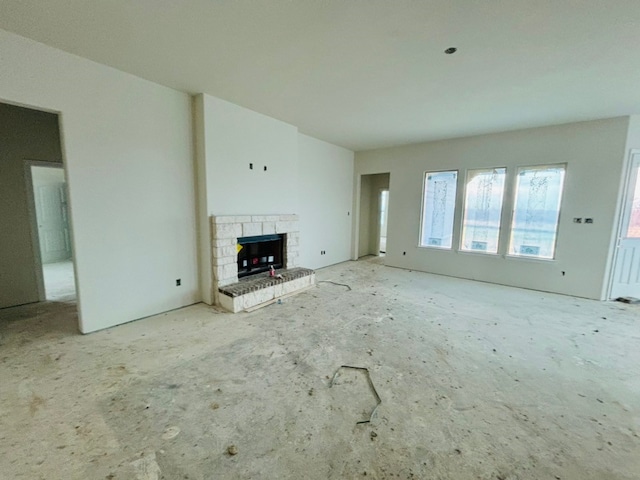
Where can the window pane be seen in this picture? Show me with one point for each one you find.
(535, 217)
(438, 209)
(482, 210)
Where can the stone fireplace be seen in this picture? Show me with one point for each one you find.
(243, 247)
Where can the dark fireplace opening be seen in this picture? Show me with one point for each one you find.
(257, 254)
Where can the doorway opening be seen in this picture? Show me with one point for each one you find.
(53, 230)
(36, 255)
(384, 207)
(373, 215)
(625, 276)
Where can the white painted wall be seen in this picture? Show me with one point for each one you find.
(325, 202)
(128, 154)
(234, 137)
(594, 153)
(24, 135)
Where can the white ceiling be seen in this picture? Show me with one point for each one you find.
(366, 73)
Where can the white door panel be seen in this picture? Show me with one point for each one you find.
(626, 273)
(53, 227)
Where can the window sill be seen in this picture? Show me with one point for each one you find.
(529, 259)
(434, 247)
(480, 254)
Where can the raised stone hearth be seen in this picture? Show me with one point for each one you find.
(262, 288)
(225, 231)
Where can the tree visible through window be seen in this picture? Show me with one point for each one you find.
(439, 205)
(534, 225)
(482, 210)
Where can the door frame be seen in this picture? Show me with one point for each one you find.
(33, 219)
(621, 210)
(357, 211)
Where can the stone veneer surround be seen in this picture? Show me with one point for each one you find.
(225, 231)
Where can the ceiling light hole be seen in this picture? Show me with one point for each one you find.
(451, 50)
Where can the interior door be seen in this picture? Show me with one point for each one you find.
(626, 273)
(53, 224)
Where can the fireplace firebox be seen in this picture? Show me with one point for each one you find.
(257, 254)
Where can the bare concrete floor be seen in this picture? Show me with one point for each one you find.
(477, 381)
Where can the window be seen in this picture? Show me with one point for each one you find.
(438, 208)
(534, 226)
(482, 210)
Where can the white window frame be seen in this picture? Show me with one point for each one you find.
(502, 204)
(544, 166)
(422, 210)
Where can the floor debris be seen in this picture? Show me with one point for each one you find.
(232, 450)
(171, 432)
(630, 300)
(146, 467)
(373, 389)
(335, 283)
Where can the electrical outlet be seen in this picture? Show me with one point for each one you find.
(588, 220)
(251, 166)
(265, 168)
(178, 282)
(577, 220)
(404, 253)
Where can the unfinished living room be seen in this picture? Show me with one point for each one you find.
(320, 240)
